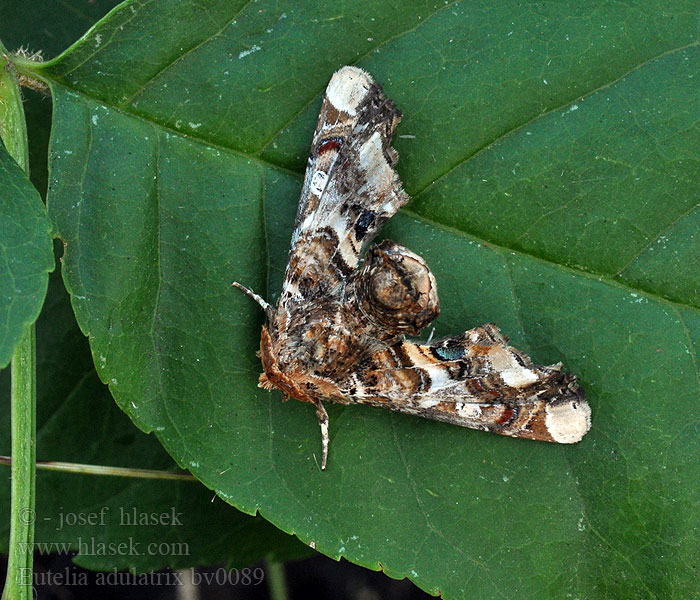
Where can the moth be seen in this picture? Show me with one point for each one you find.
(338, 332)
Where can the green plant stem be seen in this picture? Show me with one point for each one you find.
(18, 582)
(276, 579)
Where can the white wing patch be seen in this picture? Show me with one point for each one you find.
(348, 88)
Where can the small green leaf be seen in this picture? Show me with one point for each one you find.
(549, 149)
(26, 257)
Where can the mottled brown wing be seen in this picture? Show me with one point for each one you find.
(350, 189)
(475, 380)
(337, 333)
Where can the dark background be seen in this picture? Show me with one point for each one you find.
(317, 577)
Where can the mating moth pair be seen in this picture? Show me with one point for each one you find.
(338, 331)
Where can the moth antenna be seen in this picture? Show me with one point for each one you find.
(269, 311)
(430, 337)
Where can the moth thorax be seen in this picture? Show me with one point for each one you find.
(397, 290)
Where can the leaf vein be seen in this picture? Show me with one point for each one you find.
(579, 272)
(655, 238)
(541, 115)
(357, 60)
(186, 53)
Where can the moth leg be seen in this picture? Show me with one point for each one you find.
(250, 293)
(322, 416)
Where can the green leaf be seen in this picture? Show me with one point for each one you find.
(72, 401)
(101, 518)
(550, 150)
(25, 254)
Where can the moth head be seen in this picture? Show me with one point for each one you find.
(397, 290)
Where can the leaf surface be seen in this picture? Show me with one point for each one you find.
(551, 151)
(25, 254)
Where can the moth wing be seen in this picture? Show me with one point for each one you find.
(350, 189)
(475, 380)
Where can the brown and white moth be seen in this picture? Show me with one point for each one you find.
(338, 331)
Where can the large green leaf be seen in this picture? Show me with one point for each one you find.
(78, 422)
(551, 149)
(25, 254)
